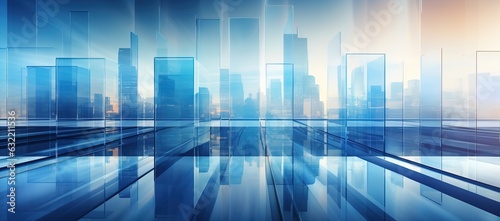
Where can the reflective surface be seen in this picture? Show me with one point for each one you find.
(248, 170)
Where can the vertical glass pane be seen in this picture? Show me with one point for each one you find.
(80, 91)
(305, 89)
(3, 83)
(336, 88)
(181, 37)
(111, 100)
(430, 109)
(174, 133)
(279, 91)
(458, 46)
(128, 81)
(3, 24)
(208, 57)
(174, 87)
(244, 67)
(40, 103)
(488, 104)
(278, 21)
(225, 95)
(50, 35)
(394, 110)
(18, 60)
(488, 119)
(80, 34)
(366, 99)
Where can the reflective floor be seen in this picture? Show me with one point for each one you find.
(245, 172)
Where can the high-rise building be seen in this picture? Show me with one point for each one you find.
(128, 81)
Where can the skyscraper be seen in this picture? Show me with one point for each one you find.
(127, 75)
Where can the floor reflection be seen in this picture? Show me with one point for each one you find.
(275, 171)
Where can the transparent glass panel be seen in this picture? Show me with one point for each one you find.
(279, 91)
(80, 107)
(40, 108)
(3, 24)
(430, 109)
(3, 83)
(336, 88)
(488, 104)
(18, 59)
(244, 67)
(366, 99)
(394, 110)
(208, 57)
(174, 112)
(80, 34)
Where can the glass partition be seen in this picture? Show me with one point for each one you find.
(488, 120)
(336, 88)
(80, 107)
(40, 108)
(488, 104)
(3, 83)
(244, 68)
(394, 109)
(279, 91)
(366, 99)
(430, 109)
(174, 130)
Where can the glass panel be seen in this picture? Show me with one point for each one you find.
(18, 60)
(488, 119)
(225, 95)
(40, 108)
(111, 102)
(208, 57)
(3, 24)
(307, 103)
(488, 104)
(174, 133)
(394, 110)
(279, 20)
(3, 83)
(336, 88)
(366, 99)
(80, 89)
(279, 91)
(80, 34)
(181, 29)
(430, 109)
(244, 68)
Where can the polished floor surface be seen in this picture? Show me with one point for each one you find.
(247, 173)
